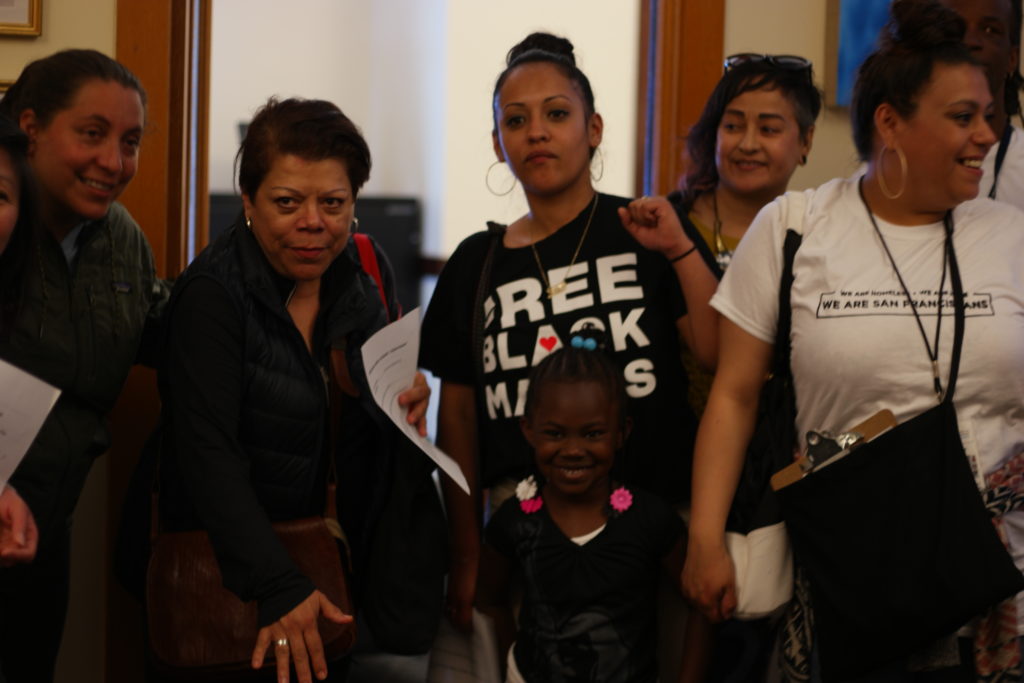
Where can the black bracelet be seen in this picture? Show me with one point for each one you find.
(684, 254)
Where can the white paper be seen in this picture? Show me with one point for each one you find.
(24, 403)
(390, 358)
(458, 657)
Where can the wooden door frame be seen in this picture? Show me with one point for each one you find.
(681, 44)
(166, 43)
(159, 42)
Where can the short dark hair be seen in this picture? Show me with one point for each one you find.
(15, 258)
(570, 365)
(313, 130)
(797, 87)
(918, 35)
(549, 49)
(48, 86)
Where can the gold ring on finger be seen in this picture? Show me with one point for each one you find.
(281, 642)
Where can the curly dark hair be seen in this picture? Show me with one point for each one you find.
(701, 172)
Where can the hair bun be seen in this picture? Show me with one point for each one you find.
(542, 42)
(921, 25)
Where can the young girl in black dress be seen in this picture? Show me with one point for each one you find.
(589, 549)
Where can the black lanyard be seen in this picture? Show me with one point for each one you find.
(948, 259)
(1004, 144)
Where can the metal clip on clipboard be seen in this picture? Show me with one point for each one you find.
(825, 448)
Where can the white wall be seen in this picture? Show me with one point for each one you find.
(605, 34)
(66, 24)
(417, 76)
(316, 49)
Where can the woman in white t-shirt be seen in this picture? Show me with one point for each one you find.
(870, 246)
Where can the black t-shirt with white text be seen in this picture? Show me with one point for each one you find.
(629, 292)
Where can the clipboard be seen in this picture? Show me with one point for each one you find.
(825, 449)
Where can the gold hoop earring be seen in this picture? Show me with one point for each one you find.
(904, 171)
(487, 180)
(600, 157)
(248, 222)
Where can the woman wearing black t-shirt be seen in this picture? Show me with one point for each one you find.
(575, 258)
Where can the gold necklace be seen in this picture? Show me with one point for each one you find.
(722, 255)
(554, 290)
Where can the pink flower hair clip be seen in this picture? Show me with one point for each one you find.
(528, 495)
(620, 500)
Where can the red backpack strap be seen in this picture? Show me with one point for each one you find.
(368, 259)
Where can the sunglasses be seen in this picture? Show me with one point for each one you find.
(787, 62)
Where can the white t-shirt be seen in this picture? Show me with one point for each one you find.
(1011, 174)
(855, 345)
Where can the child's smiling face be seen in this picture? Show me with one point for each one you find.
(574, 431)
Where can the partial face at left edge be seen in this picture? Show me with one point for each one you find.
(10, 189)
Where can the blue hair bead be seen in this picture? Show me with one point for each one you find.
(580, 342)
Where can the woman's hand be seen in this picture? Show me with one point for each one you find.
(709, 580)
(19, 536)
(295, 635)
(416, 398)
(654, 224)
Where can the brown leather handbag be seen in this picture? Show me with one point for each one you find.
(199, 630)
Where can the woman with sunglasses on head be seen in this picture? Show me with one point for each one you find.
(505, 302)
(90, 294)
(876, 262)
(756, 128)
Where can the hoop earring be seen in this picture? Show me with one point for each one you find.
(355, 225)
(487, 181)
(803, 159)
(600, 155)
(904, 170)
(248, 222)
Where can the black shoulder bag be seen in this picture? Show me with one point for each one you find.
(894, 538)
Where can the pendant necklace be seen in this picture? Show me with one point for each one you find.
(558, 288)
(933, 354)
(723, 256)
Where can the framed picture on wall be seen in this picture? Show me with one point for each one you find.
(852, 34)
(21, 17)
